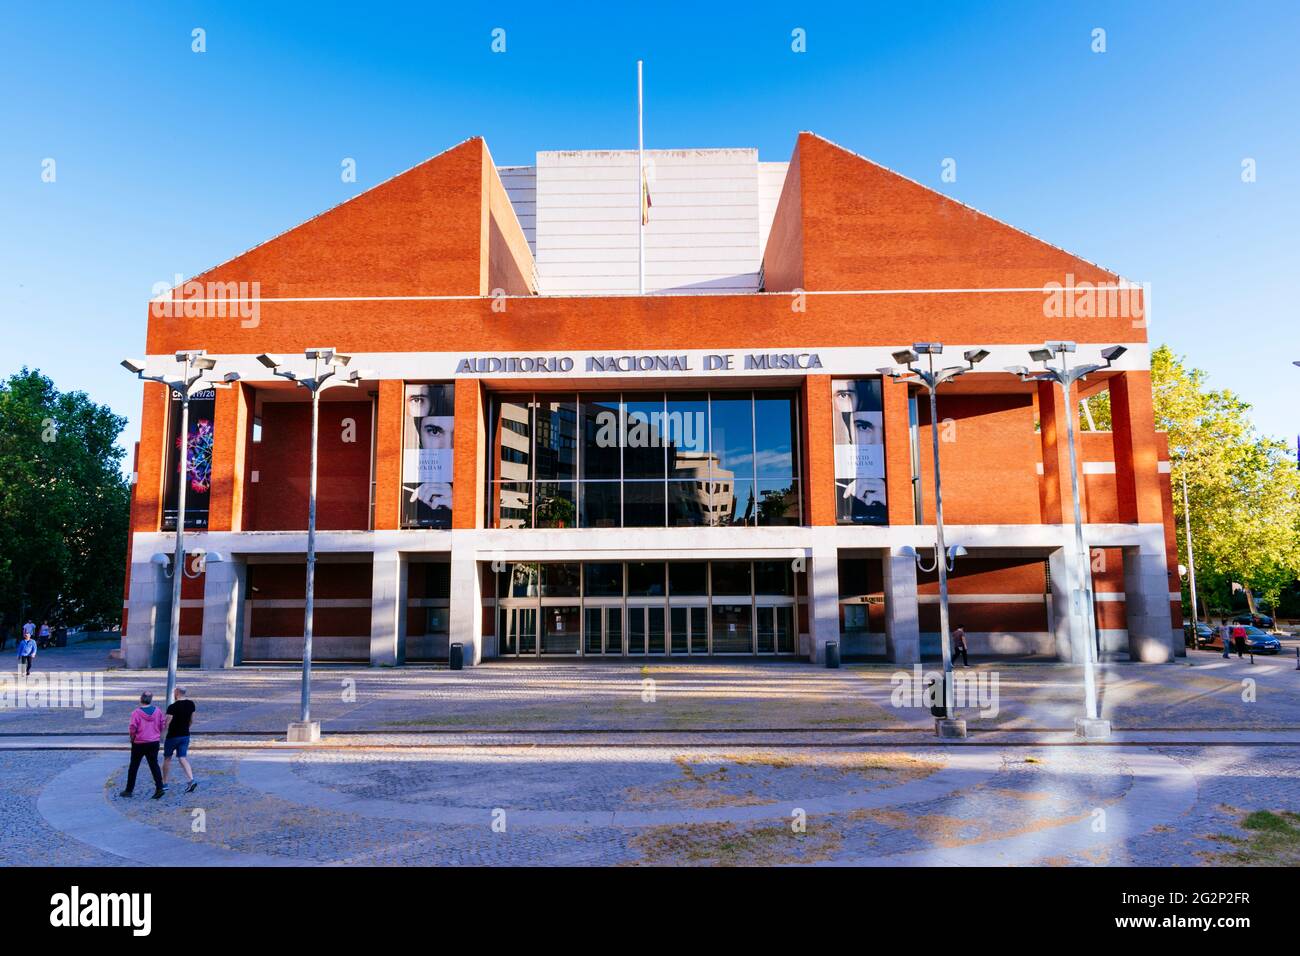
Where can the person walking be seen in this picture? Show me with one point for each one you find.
(959, 644)
(29, 629)
(26, 655)
(180, 718)
(145, 730)
(1239, 640)
(43, 635)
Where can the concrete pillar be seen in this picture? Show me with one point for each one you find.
(1068, 624)
(823, 602)
(387, 609)
(465, 622)
(224, 588)
(148, 615)
(902, 612)
(1146, 600)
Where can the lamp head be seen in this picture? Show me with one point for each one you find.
(974, 356)
(230, 377)
(928, 348)
(135, 366)
(1019, 370)
(1113, 353)
(905, 356)
(1041, 355)
(270, 361)
(957, 551)
(205, 364)
(1061, 346)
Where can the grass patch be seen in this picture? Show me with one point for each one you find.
(726, 844)
(1271, 839)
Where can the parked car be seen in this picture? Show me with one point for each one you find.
(1256, 620)
(1203, 634)
(1261, 642)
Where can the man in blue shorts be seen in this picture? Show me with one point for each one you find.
(180, 718)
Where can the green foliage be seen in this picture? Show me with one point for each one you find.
(1244, 487)
(64, 505)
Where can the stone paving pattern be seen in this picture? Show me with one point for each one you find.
(685, 798)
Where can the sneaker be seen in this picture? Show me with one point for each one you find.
(194, 784)
(157, 794)
(126, 793)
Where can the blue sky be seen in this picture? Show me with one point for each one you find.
(170, 161)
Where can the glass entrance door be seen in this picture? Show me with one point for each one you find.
(733, 628)
(517, 627)
(646, 630)
(775, 633)
(560, 629)
(602, 632)
(689, 628)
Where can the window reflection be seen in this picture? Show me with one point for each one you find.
(645, 459)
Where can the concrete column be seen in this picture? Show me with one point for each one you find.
(387, 609)
(466, 618)
(823, 602)
(1068, 625)
(902, 612)
(1146, 601)
(148, 615)
(224, 587)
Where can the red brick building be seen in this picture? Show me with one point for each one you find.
(547, 461)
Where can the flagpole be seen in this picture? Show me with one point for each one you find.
(640, 185)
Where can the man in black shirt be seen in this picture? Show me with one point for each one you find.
(180, 717)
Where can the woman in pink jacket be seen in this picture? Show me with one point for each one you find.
(145, 730)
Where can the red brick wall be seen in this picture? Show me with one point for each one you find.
(417, 232)
(279, 498)
(987, 447)
(866, 227)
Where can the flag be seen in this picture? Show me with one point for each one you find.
(645, 198)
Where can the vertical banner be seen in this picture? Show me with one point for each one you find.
(198, 470)
(859, 451)
(427, 456)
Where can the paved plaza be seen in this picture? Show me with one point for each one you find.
(667, 764)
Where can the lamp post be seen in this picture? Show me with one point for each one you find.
(932, 378)
(196, 365)
(1090, 725)
(1191, 557)
(326, 363)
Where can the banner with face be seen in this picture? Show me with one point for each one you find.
(859, 451)
(427, 432)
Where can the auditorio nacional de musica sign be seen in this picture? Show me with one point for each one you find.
(683, 362)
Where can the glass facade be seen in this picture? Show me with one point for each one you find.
(646, 608)
(644, 459)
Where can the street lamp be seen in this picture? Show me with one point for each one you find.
(1191, 557)
(1090, 725)
(197, 365)
(326, 364)
(932, 378)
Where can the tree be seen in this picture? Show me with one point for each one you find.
(1243, 487)
(64, 505)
